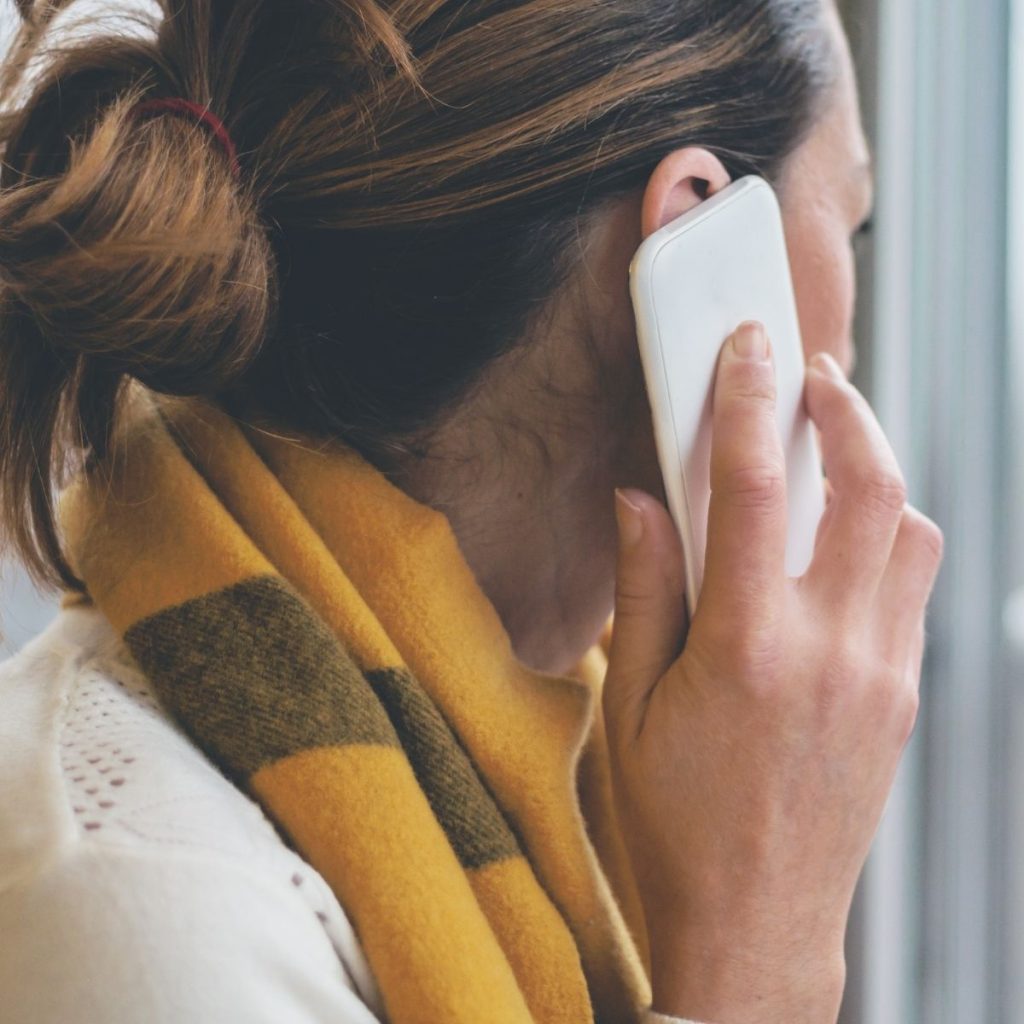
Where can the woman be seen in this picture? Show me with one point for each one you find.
(322, 307)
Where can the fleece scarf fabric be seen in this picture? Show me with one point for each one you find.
(319, 636)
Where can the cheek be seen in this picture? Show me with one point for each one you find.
(824, 282)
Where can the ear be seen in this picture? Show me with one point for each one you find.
(683, 179)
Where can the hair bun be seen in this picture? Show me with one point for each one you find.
(145, 256)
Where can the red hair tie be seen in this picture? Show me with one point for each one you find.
(202, 115)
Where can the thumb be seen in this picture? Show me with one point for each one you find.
(650, 614)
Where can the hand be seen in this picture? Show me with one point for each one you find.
(751, 770)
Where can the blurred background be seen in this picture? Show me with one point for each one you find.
(937, 936)
(938, 930)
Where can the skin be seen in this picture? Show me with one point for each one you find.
(752, 769)
(525, 469)
(752, 750)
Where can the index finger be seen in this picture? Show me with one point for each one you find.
(745, 563)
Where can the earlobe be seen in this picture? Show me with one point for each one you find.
(683, 179)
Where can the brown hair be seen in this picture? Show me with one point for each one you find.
(413, 173)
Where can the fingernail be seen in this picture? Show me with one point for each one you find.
(750, 341)
(824, 364)
(630, 518)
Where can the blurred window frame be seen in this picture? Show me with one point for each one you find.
(936, 933)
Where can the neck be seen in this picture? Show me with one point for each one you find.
(543, 553)
(526, 467)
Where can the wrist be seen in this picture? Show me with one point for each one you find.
(709, 979)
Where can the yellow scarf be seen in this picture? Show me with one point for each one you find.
(319, 636)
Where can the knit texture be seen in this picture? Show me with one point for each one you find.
(319, 636)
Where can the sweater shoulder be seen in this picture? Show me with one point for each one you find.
(88, 754)
(93, 770)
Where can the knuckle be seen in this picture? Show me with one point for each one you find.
(851, 676)
(883, 492)
(760, 488)
(909, 707)
(631, 599)
(838, 678)
(927, 536)
(721, 651)
(924, 539)
(837, 398)
(757, 663)
(892, 701)
(883, 691)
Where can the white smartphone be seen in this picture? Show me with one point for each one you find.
(693, 283)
